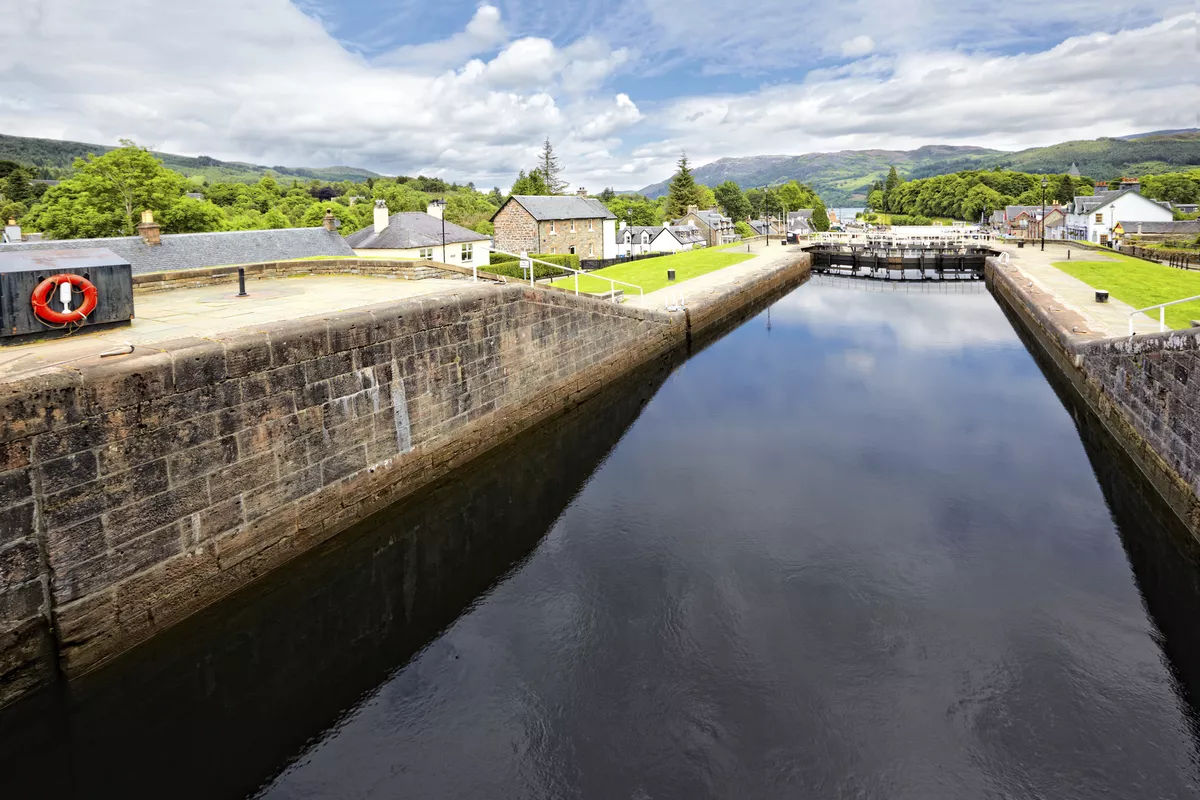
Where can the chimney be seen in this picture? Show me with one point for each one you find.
(1131, 183)
(666, 223)
(149, 229)
(329, 220)
(1139, 229)
(693, 209)
(581, 191)
(436, 209)
(622, 224)
(1102, 186)
(12, 232)
(381, 215)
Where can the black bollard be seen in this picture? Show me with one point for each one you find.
(242, 282)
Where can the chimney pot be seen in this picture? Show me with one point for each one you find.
(581, 191)
(149, 230)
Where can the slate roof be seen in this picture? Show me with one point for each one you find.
(195, 250)
(409, 229)
(804, 214)
(1181, 226)
(552, 207)
(686, 234)
(710, 217)
(1087, 204)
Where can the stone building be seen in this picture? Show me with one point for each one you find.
(556, 224)
(715, 226)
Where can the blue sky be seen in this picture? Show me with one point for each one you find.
(468, 90)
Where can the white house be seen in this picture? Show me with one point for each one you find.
(420, 235)
(639, 239)
(1093, 218)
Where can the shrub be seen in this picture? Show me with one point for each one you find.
(510, 266)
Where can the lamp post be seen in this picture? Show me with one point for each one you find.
(1045, 181)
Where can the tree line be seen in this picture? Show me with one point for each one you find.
(974, 194)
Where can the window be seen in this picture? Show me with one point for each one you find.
(645, 238)
(1100, 217)
(468, 251)
(553, 230)
(553, 250)
(591, 225)
(572, 250)
(572, 226)
(591, 250)
(426, 253)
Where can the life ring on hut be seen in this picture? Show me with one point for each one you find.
(44, 290)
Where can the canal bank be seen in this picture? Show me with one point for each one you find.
(1144, 388)
(136, 490)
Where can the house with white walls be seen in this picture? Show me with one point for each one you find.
(1093, 218)
(422, 236)
(641, 239)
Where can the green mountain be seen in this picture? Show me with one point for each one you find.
(55, 158)
(845, 177)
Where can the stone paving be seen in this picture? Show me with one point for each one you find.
(1108, 319)
(204, 311)
(767, 257)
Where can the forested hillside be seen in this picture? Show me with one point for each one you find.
(973, 194)
(53, 158)
(846, 177)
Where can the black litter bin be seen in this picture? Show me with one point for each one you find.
(670, 274)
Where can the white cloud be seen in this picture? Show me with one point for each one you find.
(1087, 86)
(266, 83)
(483, 33)
(860, 45)
(621, 114)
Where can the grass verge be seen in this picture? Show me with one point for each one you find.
(1141, 283)
(651, 273)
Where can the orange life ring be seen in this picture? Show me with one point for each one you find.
(43, 291)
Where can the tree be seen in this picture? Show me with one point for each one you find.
(468, 209)
(705, 197)
(107, 194)
(732, 201)
(187, 215)
(682, 192)
(17, 187)
(533, 183)
(875, 200)
(550, 169)
(890, 186)
(635, 210)
(607, 195)
(275, 220)
(820, 218)
(496, 197)
(743, 228)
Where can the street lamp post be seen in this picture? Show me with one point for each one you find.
(1045, 181)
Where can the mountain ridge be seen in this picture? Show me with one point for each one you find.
(59, 154)
(843, 177)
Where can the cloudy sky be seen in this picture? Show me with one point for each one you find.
(468, 91)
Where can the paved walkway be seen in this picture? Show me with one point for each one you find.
(204, 311)
(1108, 319)
(694, 290)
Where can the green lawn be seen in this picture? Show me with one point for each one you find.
(1140, 283)
(651, 273)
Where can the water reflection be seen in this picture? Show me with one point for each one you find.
(214, 707)
(854, 555)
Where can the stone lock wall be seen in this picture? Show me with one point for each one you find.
(1143, 389)
(136, 490)
(515, 229)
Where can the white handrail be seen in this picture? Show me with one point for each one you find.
(1162, 312)
(612, 282)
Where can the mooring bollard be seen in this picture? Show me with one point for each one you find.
(242, 282)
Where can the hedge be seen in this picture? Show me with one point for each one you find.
(510, 266)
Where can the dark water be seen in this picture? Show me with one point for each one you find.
(860, 547)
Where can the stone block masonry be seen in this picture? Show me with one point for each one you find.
(135, 491)
(1144, 389)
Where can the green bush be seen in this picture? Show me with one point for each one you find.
(910, 219)
(500, 258)
(507, 265)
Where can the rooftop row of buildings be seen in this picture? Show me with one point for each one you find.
(1100, 218)
(575, 224)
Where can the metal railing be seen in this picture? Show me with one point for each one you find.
(525, 257)
(1162, 312)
